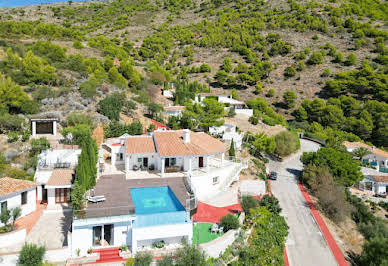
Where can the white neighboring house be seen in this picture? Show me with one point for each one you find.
(376, 157)
(168, 94)
(228, 132)
(175, 110)
(55, 175)
(376, 184)
(17, 193)
(179, 153)
(239, 106)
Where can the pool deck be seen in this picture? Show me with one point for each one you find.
(118, 200)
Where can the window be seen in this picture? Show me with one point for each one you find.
(24, 197)
(215, 180)
(119, 156)
(173, 161)
(4, 206)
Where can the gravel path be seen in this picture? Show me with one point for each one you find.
(305, 244)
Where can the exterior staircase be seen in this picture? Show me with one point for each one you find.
(108, 255)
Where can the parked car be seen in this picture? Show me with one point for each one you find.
(273, 176)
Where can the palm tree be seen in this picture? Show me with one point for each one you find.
(360, 152)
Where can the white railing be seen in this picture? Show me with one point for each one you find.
(191, 203)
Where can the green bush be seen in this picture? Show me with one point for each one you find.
(229, 222)
(270, 93)
(315, 58)
(31, 254)
(112, 105)
(249, 202)
(143, 259)
(37, 145)
(272, 204)
(286, 143)
(290, 71)
(13, 136)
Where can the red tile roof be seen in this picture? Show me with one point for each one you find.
(373, 150)
(170, 143)
(10, 185)
(159, 125)
(139, 144)
(61, 177)
(380, 178)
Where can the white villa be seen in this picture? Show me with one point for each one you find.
(17, 193)
(228, 132)
(376, 157)
(55, 175)
(176, 153)
(175, 110)
(133, 212)
(239, 106)
(44, 126)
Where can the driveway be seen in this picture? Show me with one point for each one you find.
(51, 230)
(305, 245)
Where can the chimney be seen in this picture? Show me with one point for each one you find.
(186, 135)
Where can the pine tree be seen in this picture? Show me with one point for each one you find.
(232, 153)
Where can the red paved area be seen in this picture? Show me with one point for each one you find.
(30, 220)
(108, 255)
(210, 214)
(325, 231)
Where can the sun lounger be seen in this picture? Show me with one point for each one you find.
(96, 199)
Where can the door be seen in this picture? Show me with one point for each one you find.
(145, 162)
(200, 162)
(167, 162)
(44, 194)
(108, 234)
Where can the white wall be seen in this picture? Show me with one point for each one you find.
(16, 201)
(171, 232)
(381, 187)
(51, 196)
(204, 183)
(12, 238)
(247, 112)
(132, 159)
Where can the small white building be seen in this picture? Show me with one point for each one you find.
(228, 132)
(376, 157)
(44, 126)
(17, 193)
(227, 99)
(55, 175)
(175, 110)
(375, 184)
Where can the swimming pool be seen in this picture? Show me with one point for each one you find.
(151, 200)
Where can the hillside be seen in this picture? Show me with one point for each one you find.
(261, 49)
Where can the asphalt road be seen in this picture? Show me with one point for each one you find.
(305, 245)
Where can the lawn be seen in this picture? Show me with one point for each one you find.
(203, 230)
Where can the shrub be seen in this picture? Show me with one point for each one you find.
(229, 222)
(5, 216)
(289, 98)
(351, 60)
(78, 45)
(315, 58)
(204, 68)
(143, 259)
(325, 73)
(249, 202)
(190, 255)
(166, 260)
(270, 93)
(13, 136)
(31, 254)
(254, 120)
(272, 203)
(286, 143)
(112, 105)
(37, 145)
(75, 119)
(290, 71)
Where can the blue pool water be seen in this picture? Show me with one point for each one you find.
(151, 200)
(12, 3)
